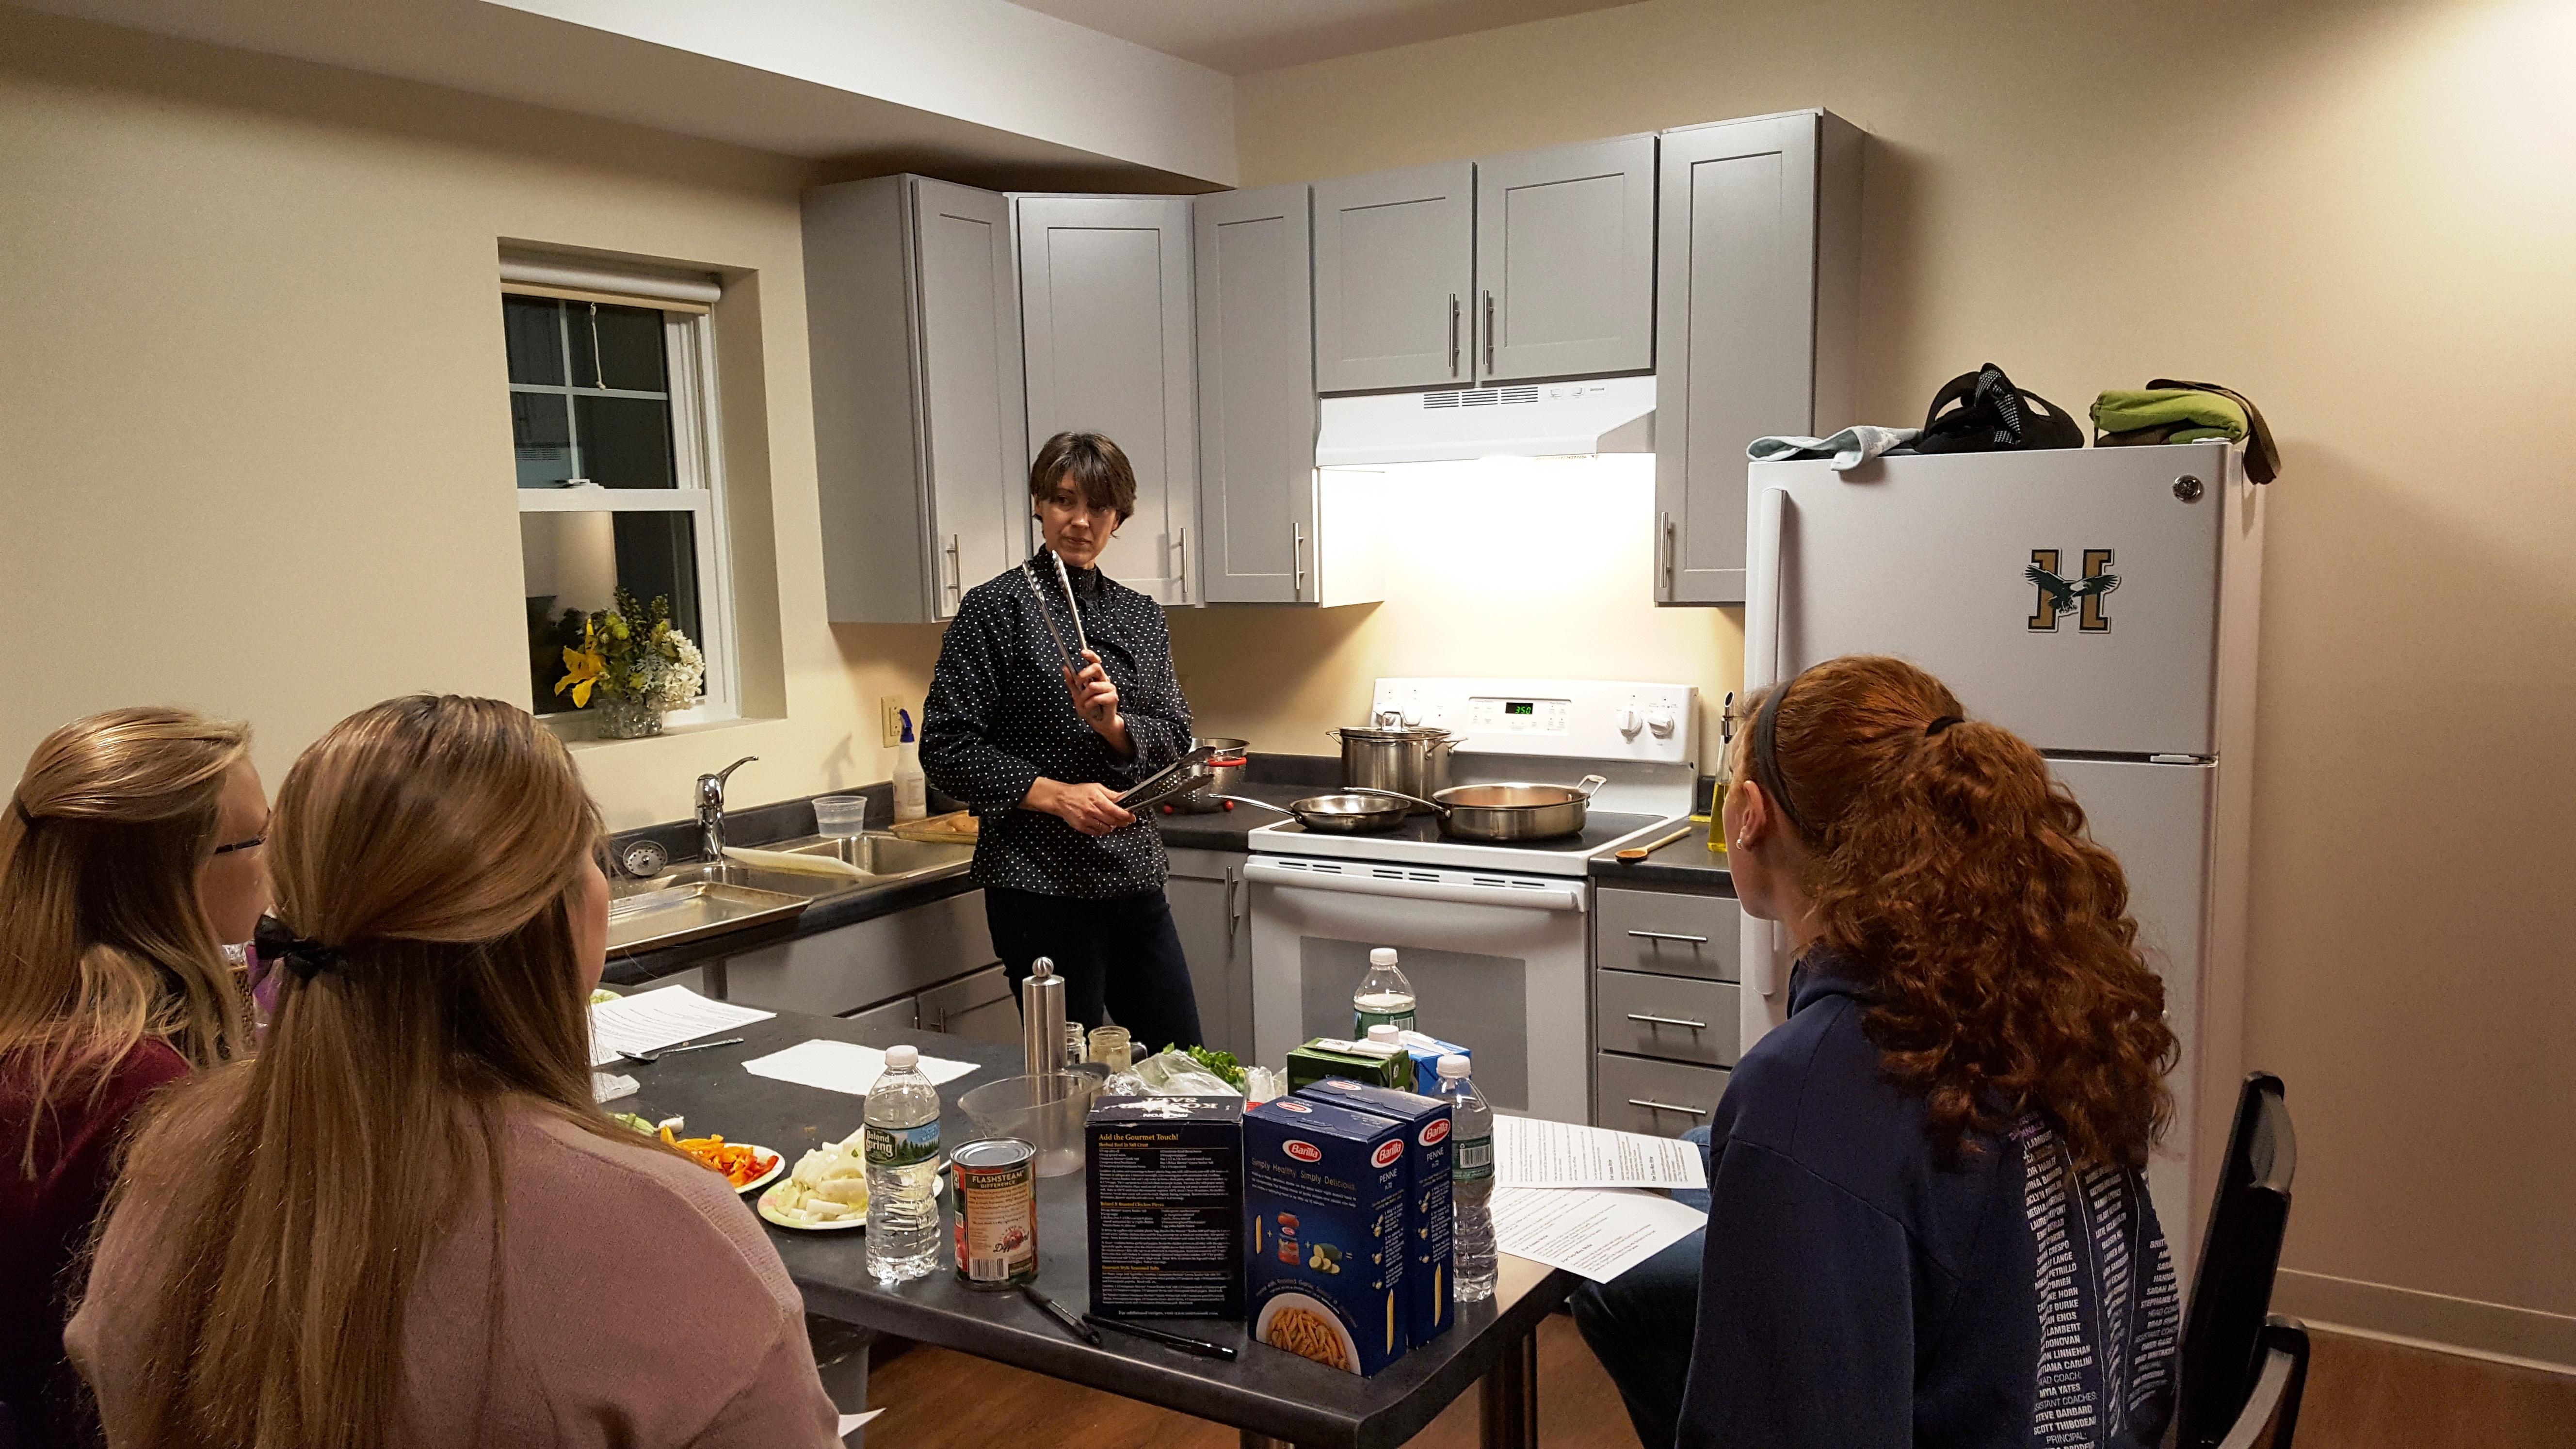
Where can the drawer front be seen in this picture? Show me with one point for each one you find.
(1661, 1099)
(901, 1014)
(1677, 1018)
(1667, 934)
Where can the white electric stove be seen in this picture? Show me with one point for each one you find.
(1492, 935)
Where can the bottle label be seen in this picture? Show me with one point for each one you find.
(1363, 1019)
(1471, 1159)
(900, 1146)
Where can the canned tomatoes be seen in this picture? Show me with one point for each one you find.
(997, 1212)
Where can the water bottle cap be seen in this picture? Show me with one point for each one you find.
(902, 1058)
(1453, 1066)
(1382, 956)
(1384, 1033)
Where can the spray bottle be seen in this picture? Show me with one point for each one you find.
(911, 789)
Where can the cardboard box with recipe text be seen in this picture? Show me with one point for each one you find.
(1324, 1232)
(1166, 1206)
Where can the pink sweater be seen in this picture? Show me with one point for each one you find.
(644, 1306)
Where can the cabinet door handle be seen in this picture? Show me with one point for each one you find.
(1668, 936)
(1654, 1106)
(1489, 333)
(1666, 523)
(1181, 563)
(956, 575)
(1297, 589)
(1653, 1019)
(1231, 881)
(1453, 334)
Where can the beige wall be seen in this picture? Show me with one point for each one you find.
(257, 456)
(2361, 216)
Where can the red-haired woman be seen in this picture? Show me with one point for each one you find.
(1927, 1223)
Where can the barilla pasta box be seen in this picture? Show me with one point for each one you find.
(1324, 1233)
(1166, 1180)
(1426, 1052)
(1426, 1194)
(1358, 1061)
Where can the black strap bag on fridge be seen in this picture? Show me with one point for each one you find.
(1982, 412)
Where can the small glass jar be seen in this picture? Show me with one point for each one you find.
(1112, 1047)
(1072, 1044)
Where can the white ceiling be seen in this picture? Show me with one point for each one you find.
(1242, 36)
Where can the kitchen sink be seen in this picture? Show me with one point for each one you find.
(669, 914)
(694, 901)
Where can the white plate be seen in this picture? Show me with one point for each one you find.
(777, 1165)
(1273, 1308)
(769, 1214)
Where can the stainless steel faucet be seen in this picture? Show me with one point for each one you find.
(711, 809)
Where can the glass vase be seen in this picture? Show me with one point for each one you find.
(628, 719)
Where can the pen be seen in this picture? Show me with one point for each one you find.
(1199, 1346)
(1079, 1329)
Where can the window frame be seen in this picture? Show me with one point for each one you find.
(697, 461)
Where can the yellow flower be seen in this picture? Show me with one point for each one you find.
(584, 666)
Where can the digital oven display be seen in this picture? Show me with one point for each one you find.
(1519, 706)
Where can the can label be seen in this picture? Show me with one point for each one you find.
(997, 1213)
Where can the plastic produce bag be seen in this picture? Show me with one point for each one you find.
(1178, 1074)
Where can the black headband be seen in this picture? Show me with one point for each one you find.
(1933, 730)
(1766, 763)
(26, 817)
(302, 955)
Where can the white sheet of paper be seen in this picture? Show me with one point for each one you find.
(852, 1421)
(839, 1066)
(1532, 1153)
(659, 1018)
(1597, 1232)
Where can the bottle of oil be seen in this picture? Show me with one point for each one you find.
(1385, 998)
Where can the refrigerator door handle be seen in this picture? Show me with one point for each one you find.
(1766, 599)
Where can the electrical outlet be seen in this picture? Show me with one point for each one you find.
(890, 729)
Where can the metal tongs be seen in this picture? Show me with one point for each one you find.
(1073, 661)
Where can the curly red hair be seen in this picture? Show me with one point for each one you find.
(1957, 872)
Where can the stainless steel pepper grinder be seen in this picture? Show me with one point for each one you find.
(1042, 1019)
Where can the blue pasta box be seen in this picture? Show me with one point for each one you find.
(1426, 1052)
(1426, 1193)
(1324, 1233)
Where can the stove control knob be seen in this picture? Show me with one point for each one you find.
(1629, 723)
(1660, 720)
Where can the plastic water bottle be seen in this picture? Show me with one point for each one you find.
(1385, 998)
(1471, 1182)
(901, 1144)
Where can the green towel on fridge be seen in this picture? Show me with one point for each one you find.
(2183, 415)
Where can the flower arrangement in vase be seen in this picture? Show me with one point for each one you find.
(634, 661)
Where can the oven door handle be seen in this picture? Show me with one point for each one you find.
(1540, 898)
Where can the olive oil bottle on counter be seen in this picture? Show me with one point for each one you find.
(1385, 997)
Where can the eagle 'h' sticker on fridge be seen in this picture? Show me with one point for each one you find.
(2059, 596)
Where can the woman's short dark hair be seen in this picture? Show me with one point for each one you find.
(1098, 467)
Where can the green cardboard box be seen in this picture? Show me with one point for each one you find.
(1331, 1057)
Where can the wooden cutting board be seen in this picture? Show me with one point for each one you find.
(954, 828)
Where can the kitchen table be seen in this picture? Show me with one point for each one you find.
(1271, 1396)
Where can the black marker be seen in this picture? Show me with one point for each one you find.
(1199, 1346)
(1080, 1329)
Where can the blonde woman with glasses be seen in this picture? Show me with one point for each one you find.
(130, 854)
(405, 1222)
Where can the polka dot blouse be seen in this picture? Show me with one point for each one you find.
(998, 717)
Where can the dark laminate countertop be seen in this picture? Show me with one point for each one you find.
(1265, 1390)
(1687, 862)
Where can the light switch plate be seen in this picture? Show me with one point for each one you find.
(889, 729)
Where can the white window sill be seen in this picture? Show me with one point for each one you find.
(579, 730)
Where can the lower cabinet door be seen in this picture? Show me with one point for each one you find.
(1662, 1099)
(977, 1005)
(1203, 913)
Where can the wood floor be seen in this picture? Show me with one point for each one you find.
(2362, 1394)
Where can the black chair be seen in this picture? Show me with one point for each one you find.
(2243, 1367)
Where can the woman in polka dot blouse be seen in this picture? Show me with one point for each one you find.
(1040, 754)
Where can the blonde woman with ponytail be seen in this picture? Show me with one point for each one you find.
(1927, 1222)
(129, 856)
(405, 1222)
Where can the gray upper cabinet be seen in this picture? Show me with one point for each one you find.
(1394, 274)
(1759, 266)
(1565, 262)
(913, 323)
(1105, 297)
(1257, 413)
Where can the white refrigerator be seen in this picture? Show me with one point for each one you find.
(2101, 603)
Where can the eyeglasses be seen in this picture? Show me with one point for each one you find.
(254, 843)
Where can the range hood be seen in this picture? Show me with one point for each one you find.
(1530, 420)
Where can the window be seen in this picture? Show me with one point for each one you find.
(619, 486)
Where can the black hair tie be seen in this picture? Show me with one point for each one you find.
(26, 816)
(1933, 730)
(302, 955)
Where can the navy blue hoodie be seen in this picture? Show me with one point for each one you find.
(1857, 1292)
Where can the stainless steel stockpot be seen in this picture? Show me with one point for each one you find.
(1405, 761)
